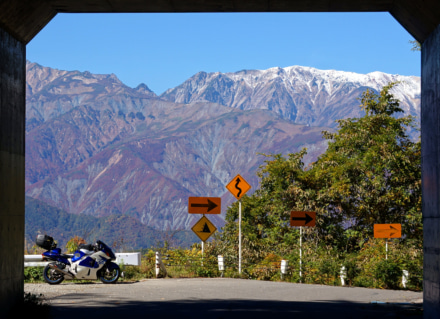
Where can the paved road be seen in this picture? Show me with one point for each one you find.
(224, 298)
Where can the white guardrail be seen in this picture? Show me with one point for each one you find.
(129, 259)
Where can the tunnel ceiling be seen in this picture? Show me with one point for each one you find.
(25, 18)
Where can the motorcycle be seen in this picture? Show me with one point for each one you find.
(87, 262)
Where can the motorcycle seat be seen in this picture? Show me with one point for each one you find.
(66, 255)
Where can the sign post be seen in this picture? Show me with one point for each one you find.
(302, 219)
(239, 236)
(300, 254)
(238, 187)
(387, 231)
(204, 205)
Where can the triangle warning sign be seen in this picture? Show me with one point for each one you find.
(204, 228)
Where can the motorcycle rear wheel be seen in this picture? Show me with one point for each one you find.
(109, 276)
(51, 276)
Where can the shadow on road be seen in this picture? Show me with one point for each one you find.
(67, 307)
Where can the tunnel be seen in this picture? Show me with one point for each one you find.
(21, 20)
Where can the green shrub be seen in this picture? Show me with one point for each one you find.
(33, 274)
(363, 281)
(329, 272)
(352, 270)
(415, 276)
(389, 274)
(206, 272)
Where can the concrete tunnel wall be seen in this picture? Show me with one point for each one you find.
(430, 119)
(12, 168)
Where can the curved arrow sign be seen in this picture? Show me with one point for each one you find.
(238, 186)
(299, 219)
(204, 205)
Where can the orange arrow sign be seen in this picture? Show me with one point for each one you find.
(302, 219)
(387, 230)
(204, 205)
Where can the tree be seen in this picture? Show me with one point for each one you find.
(73, 244)
(417, 46)
(370, 173)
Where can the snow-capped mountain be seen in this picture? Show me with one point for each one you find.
(302, 95)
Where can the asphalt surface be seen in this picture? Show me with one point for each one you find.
(224, 298)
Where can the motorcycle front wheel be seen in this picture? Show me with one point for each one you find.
(51, 276)
(109, 276)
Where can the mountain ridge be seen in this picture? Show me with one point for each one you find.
(303, 95)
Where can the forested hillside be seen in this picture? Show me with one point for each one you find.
(119, 231)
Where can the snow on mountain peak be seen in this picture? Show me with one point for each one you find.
(301, 94)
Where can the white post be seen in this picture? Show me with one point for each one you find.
(386, 249)
(239, 236)
(300, 254)
(221, 264)
(203, 249)
(284, 264)
(343, 274)
(405, 278)
(160, 265)
(157, 264)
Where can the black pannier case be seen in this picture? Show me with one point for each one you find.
(44, 241)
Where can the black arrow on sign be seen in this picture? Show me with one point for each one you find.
(211, 205)
(307, 219)
(391, 227)
(236, 186)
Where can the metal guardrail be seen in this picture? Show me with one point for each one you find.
(129, 259)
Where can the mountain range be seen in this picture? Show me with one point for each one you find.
(97, 147)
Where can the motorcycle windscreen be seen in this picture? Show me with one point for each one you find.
(106, 249)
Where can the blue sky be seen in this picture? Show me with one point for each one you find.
(163, 50)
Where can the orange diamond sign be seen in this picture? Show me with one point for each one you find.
(204, 228)
(238, 187)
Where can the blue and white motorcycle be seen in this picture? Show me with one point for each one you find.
(88, 262)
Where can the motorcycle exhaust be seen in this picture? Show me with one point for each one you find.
(62, 271)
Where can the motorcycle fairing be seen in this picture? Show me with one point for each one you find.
(88, 262)
(55, 254)
(112, 266)
(88, 265)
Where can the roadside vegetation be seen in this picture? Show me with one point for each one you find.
(370, 174)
